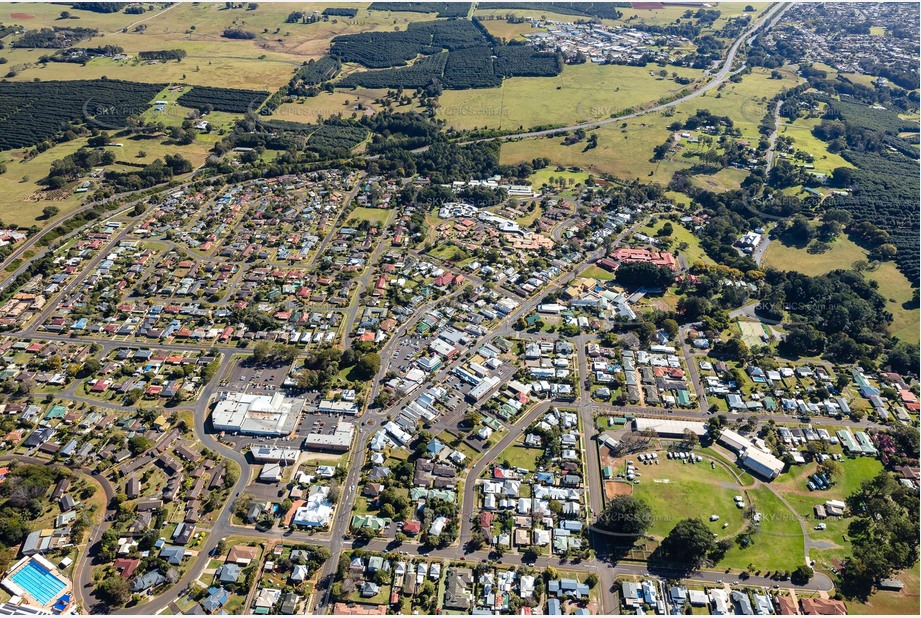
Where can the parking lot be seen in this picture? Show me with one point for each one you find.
(256, 380)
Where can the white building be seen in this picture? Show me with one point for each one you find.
(257, 415)
(317, 512)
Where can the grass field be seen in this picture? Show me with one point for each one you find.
(625, 148)
(893, 285)
(778, 542)
(724, 180)
(520, 457)
(266, 62)
(379, 216)
(680, 234)
(19, 206)
(596, 272)
(541, 177)
(801, 131)
(690, 491)
(581, 93)
(744, 102)
(327, 104)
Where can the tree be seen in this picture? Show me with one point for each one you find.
(367, 366)
(113, 591)
(644, 274)
(50, 211)
(626, 515)
(801, 575)
(591, 580)
(689, 543)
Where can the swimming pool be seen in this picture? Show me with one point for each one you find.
(38, 582)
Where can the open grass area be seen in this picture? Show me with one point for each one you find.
(778, 542)
(893, 285)
(265, 62)
(800, 131)
(21, 191)
(596, 272)
(727, 179)
(623, 150)
(855, 472)
(676, 491)
(520, 457)
(746, 102)
(310, 109)
(681, 234)
(843, 254)
(581, 93)
(377, 216)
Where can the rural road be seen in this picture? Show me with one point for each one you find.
(725, 72)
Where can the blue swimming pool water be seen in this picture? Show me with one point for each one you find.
(38, 582)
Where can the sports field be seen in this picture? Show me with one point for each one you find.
(676, 490)
(751, 333)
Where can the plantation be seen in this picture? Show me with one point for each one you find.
(318, 71)
(419, 75)
(330, 138)
(223, 99)
(604, 10)
(473, 59)
(443, 9)
(31, 112)
(471, 68)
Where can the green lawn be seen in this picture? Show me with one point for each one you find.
(520, 457)
(778, 542)
(380, 216)
(676, 491)
(596, 272)
(681, 234)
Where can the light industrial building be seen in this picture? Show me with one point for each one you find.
(257, 415)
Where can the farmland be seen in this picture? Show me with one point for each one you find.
(570, 97)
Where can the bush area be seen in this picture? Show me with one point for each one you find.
(54, 38)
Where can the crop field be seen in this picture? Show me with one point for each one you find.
(571, 97)
(676, 490)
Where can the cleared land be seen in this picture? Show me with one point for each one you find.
(571, 97)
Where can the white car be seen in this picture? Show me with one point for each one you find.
(820, 527)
